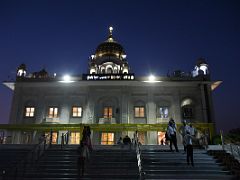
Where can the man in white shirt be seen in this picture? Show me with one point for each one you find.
(183, 131)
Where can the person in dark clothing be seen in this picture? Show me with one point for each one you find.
(126, 140)
(188, 144)
(171, 131)
(83, 152)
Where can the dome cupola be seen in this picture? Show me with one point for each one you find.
(109, 57)
(21, 70)
(201, 67)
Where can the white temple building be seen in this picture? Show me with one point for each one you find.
(109, 98)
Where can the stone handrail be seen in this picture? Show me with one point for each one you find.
(233, 149)
(137, 145)
(64, 139)
(19, 169)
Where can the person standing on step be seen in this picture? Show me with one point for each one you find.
(120, 142)
(193, 131)
(83, 156)
(86, 134)
(171, 131)
(188, 143)
(127, 141)
(183, 131)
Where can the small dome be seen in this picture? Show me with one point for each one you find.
(109, 58)
(110, 48)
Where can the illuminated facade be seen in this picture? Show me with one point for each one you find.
(109, 94)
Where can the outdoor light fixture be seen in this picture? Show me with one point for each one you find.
(124, 56)
(66, 79)
(151, 79)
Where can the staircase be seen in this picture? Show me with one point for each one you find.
(113, 162)
(61, 164)
(10, 156)
(163, 164)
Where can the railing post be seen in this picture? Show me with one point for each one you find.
(3, 174)
(221, 134)
(62, 140)
(44, 145)
(231, 148)
(238, 149)
(50, 138)
(67, 137)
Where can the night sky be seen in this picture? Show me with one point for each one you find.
(158, 36)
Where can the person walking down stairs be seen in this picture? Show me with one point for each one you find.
(83, 152)
(188, 143)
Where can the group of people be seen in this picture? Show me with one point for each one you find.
(188, 134)
(125, 141)
(84, 149)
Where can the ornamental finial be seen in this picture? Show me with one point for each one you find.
(110, 30)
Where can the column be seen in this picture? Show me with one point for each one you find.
(151, 117)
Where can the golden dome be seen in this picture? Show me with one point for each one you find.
(110, 47)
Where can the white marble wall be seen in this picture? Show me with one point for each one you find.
(92, 98)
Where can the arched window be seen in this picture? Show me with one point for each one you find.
(103, 70)
(163, 108)
(187, 107)
(109, 70)
(92, 71)
(115, 70)
(125, 71)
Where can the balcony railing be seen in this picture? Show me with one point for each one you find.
(52, 120)
(107, 120)
(162, 120)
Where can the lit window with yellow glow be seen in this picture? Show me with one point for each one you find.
(29, 111)
(75, 138)
(139, 111)
(54, 137)
(76, 111)
(107, 139)
(107, 112)
(53, 112)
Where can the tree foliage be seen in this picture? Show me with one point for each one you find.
(233, 136)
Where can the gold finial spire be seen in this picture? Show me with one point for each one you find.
(110, 38)
(110, 30)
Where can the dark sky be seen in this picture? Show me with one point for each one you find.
(158, 36)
